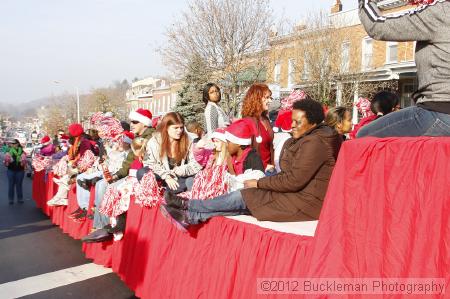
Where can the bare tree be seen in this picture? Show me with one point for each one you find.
(325, 64)
(230, 36)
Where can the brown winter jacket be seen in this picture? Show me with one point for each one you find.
(297, 192)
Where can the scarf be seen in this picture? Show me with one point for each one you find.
(16, 154)
(73, 150)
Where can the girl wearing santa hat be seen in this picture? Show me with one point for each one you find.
(48, 148)
(255, 108)
(428, 25)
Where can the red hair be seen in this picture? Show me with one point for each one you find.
(182, 145)
(252, 106)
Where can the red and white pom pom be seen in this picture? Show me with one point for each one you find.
(8, 158)
(363, 106)
(288, 102)
(107, 126)
(148, 193)
(40, 163)
(110, 199)
(421, 2)
(208, 183)
(60, 168)
(97, 118)
(86, 161)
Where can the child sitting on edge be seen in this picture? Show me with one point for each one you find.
(201, 153)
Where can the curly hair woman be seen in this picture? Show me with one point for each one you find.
(256, 106)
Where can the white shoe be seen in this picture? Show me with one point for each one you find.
(118, 236)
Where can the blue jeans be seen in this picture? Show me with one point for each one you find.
(100, 220)
(225, 205)
(83, 195)
(412, 121)
(15, 179)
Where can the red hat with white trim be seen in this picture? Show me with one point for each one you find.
(283, 121)
(143, 116)
(128, 137)
(45, 140)
(240, 132)
(219, 134)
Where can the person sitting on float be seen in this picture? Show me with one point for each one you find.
(170, 155)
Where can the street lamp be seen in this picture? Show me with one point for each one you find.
(78, 100)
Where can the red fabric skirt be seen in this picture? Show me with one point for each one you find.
(385, 215)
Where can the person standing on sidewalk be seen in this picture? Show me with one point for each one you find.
(15, 161)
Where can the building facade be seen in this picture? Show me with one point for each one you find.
(155, 94)
(349, 56)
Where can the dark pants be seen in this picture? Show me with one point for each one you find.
(184, 183)
(229, 204)
(15, 179)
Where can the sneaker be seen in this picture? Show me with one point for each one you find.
(99, 235)
(118, 236)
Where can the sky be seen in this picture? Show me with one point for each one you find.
(86, 44)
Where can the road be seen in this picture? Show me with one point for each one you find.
(38, 261)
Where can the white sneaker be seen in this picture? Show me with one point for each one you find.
(118, 236)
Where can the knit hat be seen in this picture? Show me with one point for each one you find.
(45, 140)
(143, 116)
(128, 137)
(283, 121)
(240, 132)
(219, 134)
(75, 130)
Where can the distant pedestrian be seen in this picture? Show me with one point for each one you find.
(16, 161)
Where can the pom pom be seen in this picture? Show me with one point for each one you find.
(363, 106)
(288, 102)
(40, 163)
(148, 193)
(86, 161)
(259, 139)
(60, 168)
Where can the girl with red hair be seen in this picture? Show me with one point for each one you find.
(256, 107)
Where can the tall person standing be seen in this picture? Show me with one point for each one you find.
(15, 161)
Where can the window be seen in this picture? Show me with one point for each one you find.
(367, 54)
(277, 72)
(345, 57)
(291, 72)
(391, 52)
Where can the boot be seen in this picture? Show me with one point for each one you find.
(175, 201)
(60, 198)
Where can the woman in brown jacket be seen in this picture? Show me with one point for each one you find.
(294, 194)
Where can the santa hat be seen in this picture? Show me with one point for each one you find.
(143, 116)
(255, 125)
(240, 132)
(155, 122)
(128, 137)
(64, 137)
(219, 134)
(45, 140)
(75, 130)
(283, 121)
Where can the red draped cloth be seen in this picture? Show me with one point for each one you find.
(385, 215)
